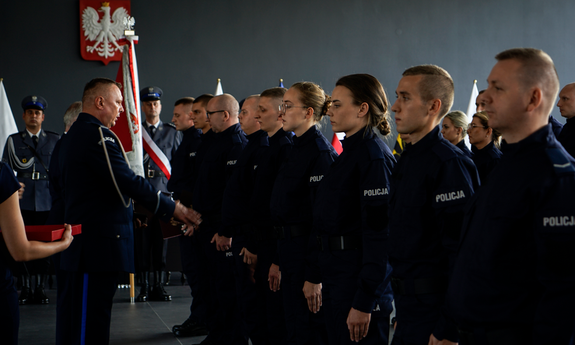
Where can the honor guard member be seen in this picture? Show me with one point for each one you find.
(514, 277)
(356, 291)
(236, 217)
(485, 142)
(566, 106)
(149, 244)
(191, 250)
(293, 195)
(91, 152)
(28, 153)
(214, 172)
(430, 186)
(275, 147)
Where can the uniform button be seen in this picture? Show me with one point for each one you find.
(117, 236)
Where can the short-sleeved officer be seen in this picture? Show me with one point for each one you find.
(149, 244)
(514, 278)
(28, 153)
(214, 172)
(430, 186)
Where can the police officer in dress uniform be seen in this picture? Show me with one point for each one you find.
(293, 195)
(236, 217)
(91, 152)
(430, 186)
(28, 153)
(216, 168)
(356, 291)
(150, 246)
(514, 277)
(191, 251)
(566, 105)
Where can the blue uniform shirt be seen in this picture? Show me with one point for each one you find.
(352, 200)
(167, 138)
(567, 136)
(18, 154)
(516, 262)
(91, 199)
(238, 192)
(431, 184)
(216, 168)
(183, 162)
(555, 125)
(485, 160)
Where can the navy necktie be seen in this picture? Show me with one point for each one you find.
(35, 140)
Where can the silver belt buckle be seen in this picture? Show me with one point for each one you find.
(35, 175)
(151, 173)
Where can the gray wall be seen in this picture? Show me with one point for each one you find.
(186, 45)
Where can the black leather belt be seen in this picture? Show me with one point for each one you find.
(499, 336)
(419, 286)
(154, 173)
(339, 242)
(291, 231)
(33, 176)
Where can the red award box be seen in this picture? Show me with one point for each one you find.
(49, 233)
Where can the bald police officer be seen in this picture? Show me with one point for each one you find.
(28, 153)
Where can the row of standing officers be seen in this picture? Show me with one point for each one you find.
(298, 245)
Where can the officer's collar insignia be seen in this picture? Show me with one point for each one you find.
(24, 160)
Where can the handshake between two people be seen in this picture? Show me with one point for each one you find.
(189, 217)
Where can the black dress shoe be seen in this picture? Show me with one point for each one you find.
(189, 329)
(26, 296)
(40, 297)
(158, 293)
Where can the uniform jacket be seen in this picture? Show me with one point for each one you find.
(168, 139)
(184, 161)
(485, 160)
(431, 184)
(91, 199)
(516, 264)
(352, 200)
(461, 145)
(567, 136)
(18, 154)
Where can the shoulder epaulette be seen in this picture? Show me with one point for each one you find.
(236, 138)
(170, 124)
(375, 149)
(322, 145)
(285, 141)
(443, 151)
(265, 140)
(53, 133)
(561, 163)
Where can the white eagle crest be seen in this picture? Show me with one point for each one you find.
(105, 32)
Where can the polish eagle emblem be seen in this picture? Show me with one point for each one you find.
(103, 32)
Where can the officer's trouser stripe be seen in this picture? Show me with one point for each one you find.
(84, 309)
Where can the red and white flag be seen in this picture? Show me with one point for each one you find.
(336, 143)
(128, 127)
(7, 123)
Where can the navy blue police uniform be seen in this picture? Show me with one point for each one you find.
(214, 172)
(184, 163)
(150, 247)
(485, 160)
(461, 145)
(263, 239)
(291, 208)
(236, 216)
(514, 278)
(555, 125)
(431, 184)
(9, 311)
(350, 221)
(30, 158)
(567, 136)
(106, 246)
